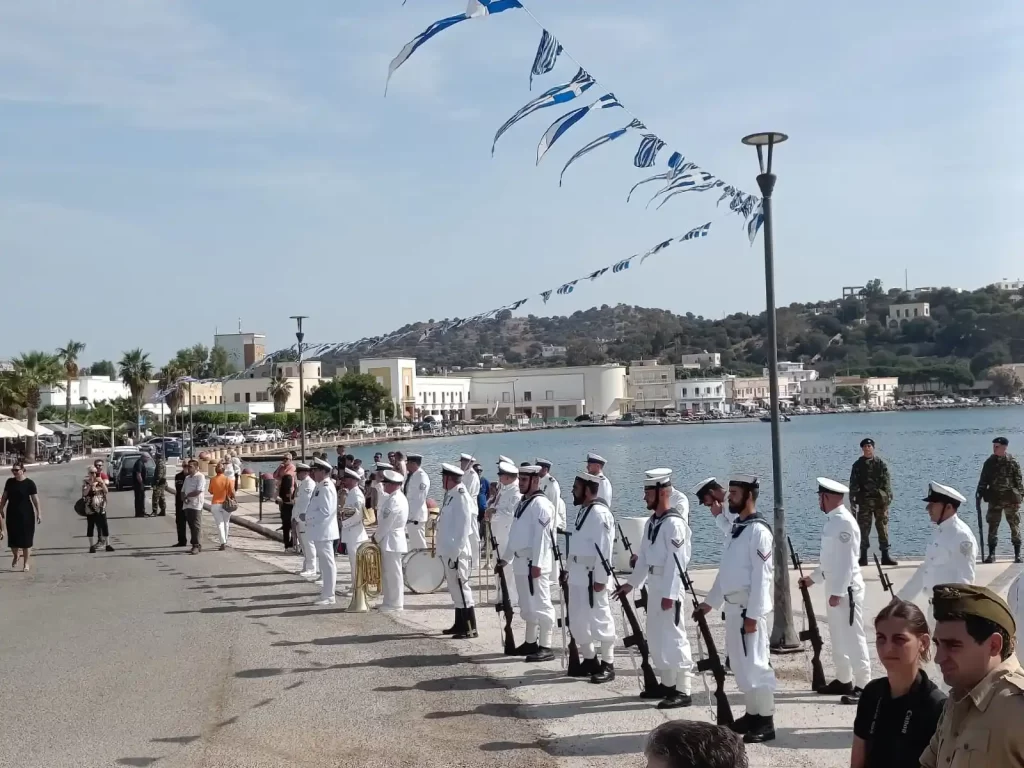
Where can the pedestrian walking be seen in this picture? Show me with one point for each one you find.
(236, 464)
(193, 490)
(1000, 485)
(180, 519)
(870, 497)
(94, 492)
(220, 491)
(286, 489)
(229, 471)
(19, 508)
(139, 485)
(159, 503)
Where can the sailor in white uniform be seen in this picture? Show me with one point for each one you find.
(745, 582)
(321, 519)
(532, 559)
(844, 588)
(677, 499)
(416, 489)
(952, 553)
(390, 537)
(595, 466)
(303, 494)
(353, 532)
(553, 491)
(711, 494)
(457, 519)
(664, 552)
(590, 613)
(501, 515)
(471, 480)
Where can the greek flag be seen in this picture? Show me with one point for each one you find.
(567, 288)
(695, 181)
(693, 234)
(516, 305)
(727, 192)
(648, 151)
(475, 9)
(755, 222)
(659, 247)
(568, 120)
(621, 266)
(599, 141)
(546, 295)
(560, 94)
(597, 273)
(547, 55)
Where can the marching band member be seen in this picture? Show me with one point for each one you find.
(471, 480)
(590, 613)
(303, 495)
(390, 537)
(502, 514)
(595, 466)
(353, 532)
(553, 491)
(844, 585)
(321, 519)
(529, 553)
(416, 489)
(666, 542)
(457, 519)
(745, 582)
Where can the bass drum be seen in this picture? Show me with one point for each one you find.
(424, 572)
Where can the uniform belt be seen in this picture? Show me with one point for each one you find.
(588, 560)
(738, 598)
(656, 570)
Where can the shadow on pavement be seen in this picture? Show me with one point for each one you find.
(584, 745)
(353, 639)
(547, 711)
(812, 738)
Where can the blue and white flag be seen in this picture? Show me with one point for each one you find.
(659, 247)
(693, 234)
(695, 181)
(729, 191)
(476, 9)
(558, 128)
(756, 220)
(599, 141)
(516, 305)
(547, 54)
(560, 94)
(621, 265)
(648, 151)
(546, 295)
(567, 288)
(597, 273)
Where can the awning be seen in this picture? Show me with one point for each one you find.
(72, 429)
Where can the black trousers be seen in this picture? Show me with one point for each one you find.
(194, 519)
(286, 522)
(99, 524)
(140, 499)
(180, 523)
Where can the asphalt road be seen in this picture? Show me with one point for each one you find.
(150, 656)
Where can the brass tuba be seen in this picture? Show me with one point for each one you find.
(368, 577)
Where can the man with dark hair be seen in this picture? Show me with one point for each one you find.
(711, 494)
(180, 521)
(693, 744)
(870, 496)
(1001, 486)
(974, 638)
(139, 485)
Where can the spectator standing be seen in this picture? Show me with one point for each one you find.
(286, 488)
(160, 485)
(220, 491)
(194, 491)
(19, 506)
(139, 485)
(180, 522)
(229, 471)
(94, 491)
(236, 464)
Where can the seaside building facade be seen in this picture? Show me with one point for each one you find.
(250, 394)
(243, 349)
(703, 359)
(93, 388)
(651, 386)
(700, 395)
(549, 393)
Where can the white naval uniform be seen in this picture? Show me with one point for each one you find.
(457, 519)
(840, 573)
(505, 506)
(604, 489)
(1015, 600)
(590, 613)
(303, 495)
(949, 559)
(530, 545)
(745, 582)
(666, 538)
(416, 489)
(353, 532)
(471, 480)
(322, 529)
(553, 492)
(390, 536)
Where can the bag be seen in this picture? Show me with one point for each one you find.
(80, 509)
(229, 505)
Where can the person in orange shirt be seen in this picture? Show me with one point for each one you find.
(221, 489)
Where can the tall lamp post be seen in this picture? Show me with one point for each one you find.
(783, 638)
(299, 335)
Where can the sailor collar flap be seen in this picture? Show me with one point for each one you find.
(526, 502)
(656, 523)
(581, 518)
(984, 692)
(741, 525)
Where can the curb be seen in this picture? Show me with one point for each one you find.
(252, 525)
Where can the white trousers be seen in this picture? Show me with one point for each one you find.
(456, 572)
(849, 644)
(417, 535)
(474, 546)
(536, 608)
(501, 532)
(223, 521)
(666, 635)
(309, 558)
(590, 626)
(752, 668)
(328, 568)
(391, 577)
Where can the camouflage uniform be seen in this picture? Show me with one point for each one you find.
(160, 486)
(1000, 485)
(871, 493)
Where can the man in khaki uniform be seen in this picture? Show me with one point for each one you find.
(981, 722)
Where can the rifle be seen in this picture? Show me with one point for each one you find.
(981, 532)
(712, 663)
(573, 669)
(882, 577)
(811, 633)
(640, 602)
(637, 637)
(505, 604)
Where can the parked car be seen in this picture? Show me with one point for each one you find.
(124, 464)
(232, 438)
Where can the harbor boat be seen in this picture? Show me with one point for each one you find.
(782, 417)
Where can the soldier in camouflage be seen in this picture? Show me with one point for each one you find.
(1000, 485)
(870, 496)
(159, 485)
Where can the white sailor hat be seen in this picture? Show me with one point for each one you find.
(529, 469)
(391, 476)
(504, 460)
(587, 477)
(944, 493)
(451, 469)
(417, 457)
(542, 463)
(657, 481)
(744, 481)
(659, 472)
(354, 474)
(593, 458)
(300, 467)
(321, 464)
(467, 457)
(825, 485)
(382, 465)
(507, 468)
(702, 487)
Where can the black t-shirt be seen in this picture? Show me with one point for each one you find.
(287, 489)
(897, 731)
(19, 493)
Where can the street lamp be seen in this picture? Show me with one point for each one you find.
(299, 335)
(783, 638)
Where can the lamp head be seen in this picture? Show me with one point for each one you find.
(765, 139)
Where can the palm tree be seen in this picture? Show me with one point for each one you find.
(167, 378)
(9, 399)
(136, 371)
(68, 355)
(280, 390)
(34, 371)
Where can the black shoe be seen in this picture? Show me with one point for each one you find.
(742, 723)
(886, 560)
(162, 514)
(454, 627)
(659, 692)
(180, 544)
(605, 675)
(108, 548)
(836, 688)
(541, 654)
(762, 728)
(991, 554)
(853, 698)
(1016, 553)
(728, 667)
(525, 649)
(863, 558)
(586, 668)
(674, 699)
(92, 549)
(222, 547)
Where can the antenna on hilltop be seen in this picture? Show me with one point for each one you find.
(239, 325)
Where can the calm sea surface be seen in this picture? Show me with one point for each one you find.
(947, 446)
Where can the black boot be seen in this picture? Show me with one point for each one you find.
(853, 698)
(886, 560)
(836, 688)
(454, 627)
(468, 628)
(604, 675)
(541, 654)
(991, 554)
(863, 557)
(674, 699)
(1016, 553)
(525, 649)
(658, 692)
(761, 729)
(742, 723)
(586, 668)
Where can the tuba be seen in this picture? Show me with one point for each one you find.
(367, 577)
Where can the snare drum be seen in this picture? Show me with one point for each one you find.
(424, 572)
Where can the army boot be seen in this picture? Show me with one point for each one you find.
(541, 654)
(761, 729)
(863, 557)
(526, 649)
(991, 554)
(886, 560)
(1016, 553)
(675, 699)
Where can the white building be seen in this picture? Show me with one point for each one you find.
(92, 388)
(700, 395)
(746, 392)
(703, 359)
(598, 390)
(398, 376)
(243, 349)
(792, 376)
(446, 397)
(899, 314)
(250, 394)
(650, 386)
(551, 350)
(1008, 285)
(818, 392)
(875, 392)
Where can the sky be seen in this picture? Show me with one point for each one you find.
(172, 166)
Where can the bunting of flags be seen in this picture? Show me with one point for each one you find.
(600, 141)
(560, 94)
(547, 55)
(568, 120)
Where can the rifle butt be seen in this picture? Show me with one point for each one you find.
(817, 675)
(650, 679)
(510, 642)
(723, 712)
(575, 665)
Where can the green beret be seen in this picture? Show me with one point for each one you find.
(953, 601)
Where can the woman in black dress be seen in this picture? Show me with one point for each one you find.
(19, 507)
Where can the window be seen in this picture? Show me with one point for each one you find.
(408, 392)
(248, 397)
(288, 371)
(527, 397)
(506, 397)
(683, 390)
(433, 398)
(238, 397)
(261, 397)
(915, 311)
(549, 394)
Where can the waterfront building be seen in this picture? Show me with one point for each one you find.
(792, 376)
(651, 386)
(204, 395)
(900, 314)
(872, 391)
(93, 389)
(703, 359)
(243, 349)
(549, 393)
(700, 395)
(745, 393)
(444, 397)
(250, 393)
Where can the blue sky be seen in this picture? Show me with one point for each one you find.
(166, 167)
